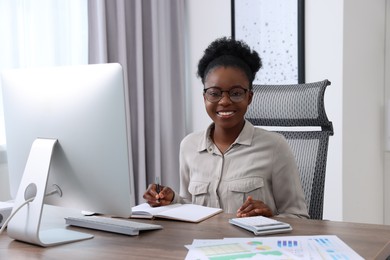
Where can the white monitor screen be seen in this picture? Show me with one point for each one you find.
(84, 108)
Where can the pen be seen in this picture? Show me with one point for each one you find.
(157, 181)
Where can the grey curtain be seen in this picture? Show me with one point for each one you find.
(146, 38)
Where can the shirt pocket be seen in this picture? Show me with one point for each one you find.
(239, 190)
(199, 192)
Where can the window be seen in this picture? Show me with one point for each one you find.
(42, 33)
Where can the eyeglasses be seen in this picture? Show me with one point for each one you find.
(214, 94)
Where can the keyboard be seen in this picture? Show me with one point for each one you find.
(260, 225)
(115, 225)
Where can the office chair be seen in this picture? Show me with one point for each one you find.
(297, 112)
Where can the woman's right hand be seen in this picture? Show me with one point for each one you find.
(156, 199)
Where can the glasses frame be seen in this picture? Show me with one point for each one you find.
(227, 91)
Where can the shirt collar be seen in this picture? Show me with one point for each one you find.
(244, 138)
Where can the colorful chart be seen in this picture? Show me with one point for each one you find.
(223, 249)
(287, 243)
(328, 248)
(272, 248)
(259, 245)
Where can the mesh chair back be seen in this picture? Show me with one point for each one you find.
(302, 106)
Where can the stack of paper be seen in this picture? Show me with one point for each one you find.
(287, 247)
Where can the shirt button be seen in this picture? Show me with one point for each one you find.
(210, 150)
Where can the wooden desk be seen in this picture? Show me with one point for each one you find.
(366, 239)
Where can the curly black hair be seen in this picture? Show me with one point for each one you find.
(228, 52)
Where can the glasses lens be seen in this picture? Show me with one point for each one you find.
(237, 94)
(213, 94)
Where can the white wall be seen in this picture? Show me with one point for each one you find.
(386, 181)
(345, 44)
(347, 47)
(323, 60)
(207, 20)
(363, 96)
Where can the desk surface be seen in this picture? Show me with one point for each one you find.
(168, 243)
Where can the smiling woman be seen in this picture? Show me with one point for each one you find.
(227, 114)
(233, 165)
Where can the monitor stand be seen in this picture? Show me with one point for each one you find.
(25, 225)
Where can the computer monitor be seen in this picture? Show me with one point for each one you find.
(66, 130)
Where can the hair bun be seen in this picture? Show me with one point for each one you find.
(229, 47)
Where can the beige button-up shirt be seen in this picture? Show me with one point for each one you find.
(259, 163)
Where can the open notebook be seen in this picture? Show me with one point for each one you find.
(183, 212)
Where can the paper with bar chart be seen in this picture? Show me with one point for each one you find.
(284, 247)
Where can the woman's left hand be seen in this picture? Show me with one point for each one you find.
(254, 208)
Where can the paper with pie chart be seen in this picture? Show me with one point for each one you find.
(286, 247)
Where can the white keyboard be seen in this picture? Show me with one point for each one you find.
(121, 226)
(260, 225)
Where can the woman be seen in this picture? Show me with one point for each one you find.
(233, 165)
